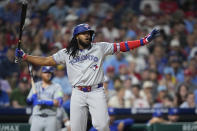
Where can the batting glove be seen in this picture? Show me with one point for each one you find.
(154, 33)
(20, 53)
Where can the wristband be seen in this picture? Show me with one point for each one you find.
(24, 56)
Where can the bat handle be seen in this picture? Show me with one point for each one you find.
(17, 59)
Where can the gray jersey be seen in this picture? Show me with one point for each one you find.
(51, 92)
(86, 68)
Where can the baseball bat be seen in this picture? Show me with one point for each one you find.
(30, 68)
(22, 22)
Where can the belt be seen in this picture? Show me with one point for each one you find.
(87, 88)
(43, 115)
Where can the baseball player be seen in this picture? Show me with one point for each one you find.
(83, 60)
(47, 99)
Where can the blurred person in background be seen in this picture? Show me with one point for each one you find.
(19, 94)
(127, 84)
(162, 92)
(175, 63)
(181, 94)
(59, 11)
(177, 49)
(190, 43)
(3, 47)
(110, 74)
(144, 75)
(123, 72)
(137, 101)
(116, 61)
(189, 102)
(5, 86)
(159, 57)
(188, 78)
(169, 80)
(7, 65)
(61, 78)
(118, 101)
(4, 98)
(132, 73)
(147, 92)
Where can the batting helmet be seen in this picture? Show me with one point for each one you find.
(82, 28)
(47, 69)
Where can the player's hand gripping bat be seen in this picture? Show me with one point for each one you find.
(22, 22)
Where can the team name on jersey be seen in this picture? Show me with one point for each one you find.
(83, 58)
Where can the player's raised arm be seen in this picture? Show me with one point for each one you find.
(36, 60)
(129, 45)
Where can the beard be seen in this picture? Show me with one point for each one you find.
(85, 44)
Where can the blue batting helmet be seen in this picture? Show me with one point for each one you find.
(82, 28)
(47, 69)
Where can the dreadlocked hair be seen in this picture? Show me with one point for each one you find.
(73, 48)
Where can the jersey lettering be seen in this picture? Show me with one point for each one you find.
(83, 58)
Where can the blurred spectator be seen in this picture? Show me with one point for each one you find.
(19, 94)
(59, 10)
(123, 72)
(159, 58)
(3, 47)
(188, 79)
(43, 5)
(189, 21)
(118, 101)
(153, 4)
(110, 32)
(12, 12)
(169, 80)
(175, 63)
(4, 98)
(162, 91)
(137, 101)
(189, 102)
(110, 74)
(127, 83)
(5, 86)
(168, 6)
(7, 65)
(147, 92)
(61, 78)
(190, 43)
(99, 8)
(115, 61)
(77, 8)
(176, 48)
(181, 94)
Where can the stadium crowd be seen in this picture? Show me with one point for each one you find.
(161, 74)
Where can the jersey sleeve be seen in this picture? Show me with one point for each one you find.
(107, 48)
(58, 92)
(60, 57)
